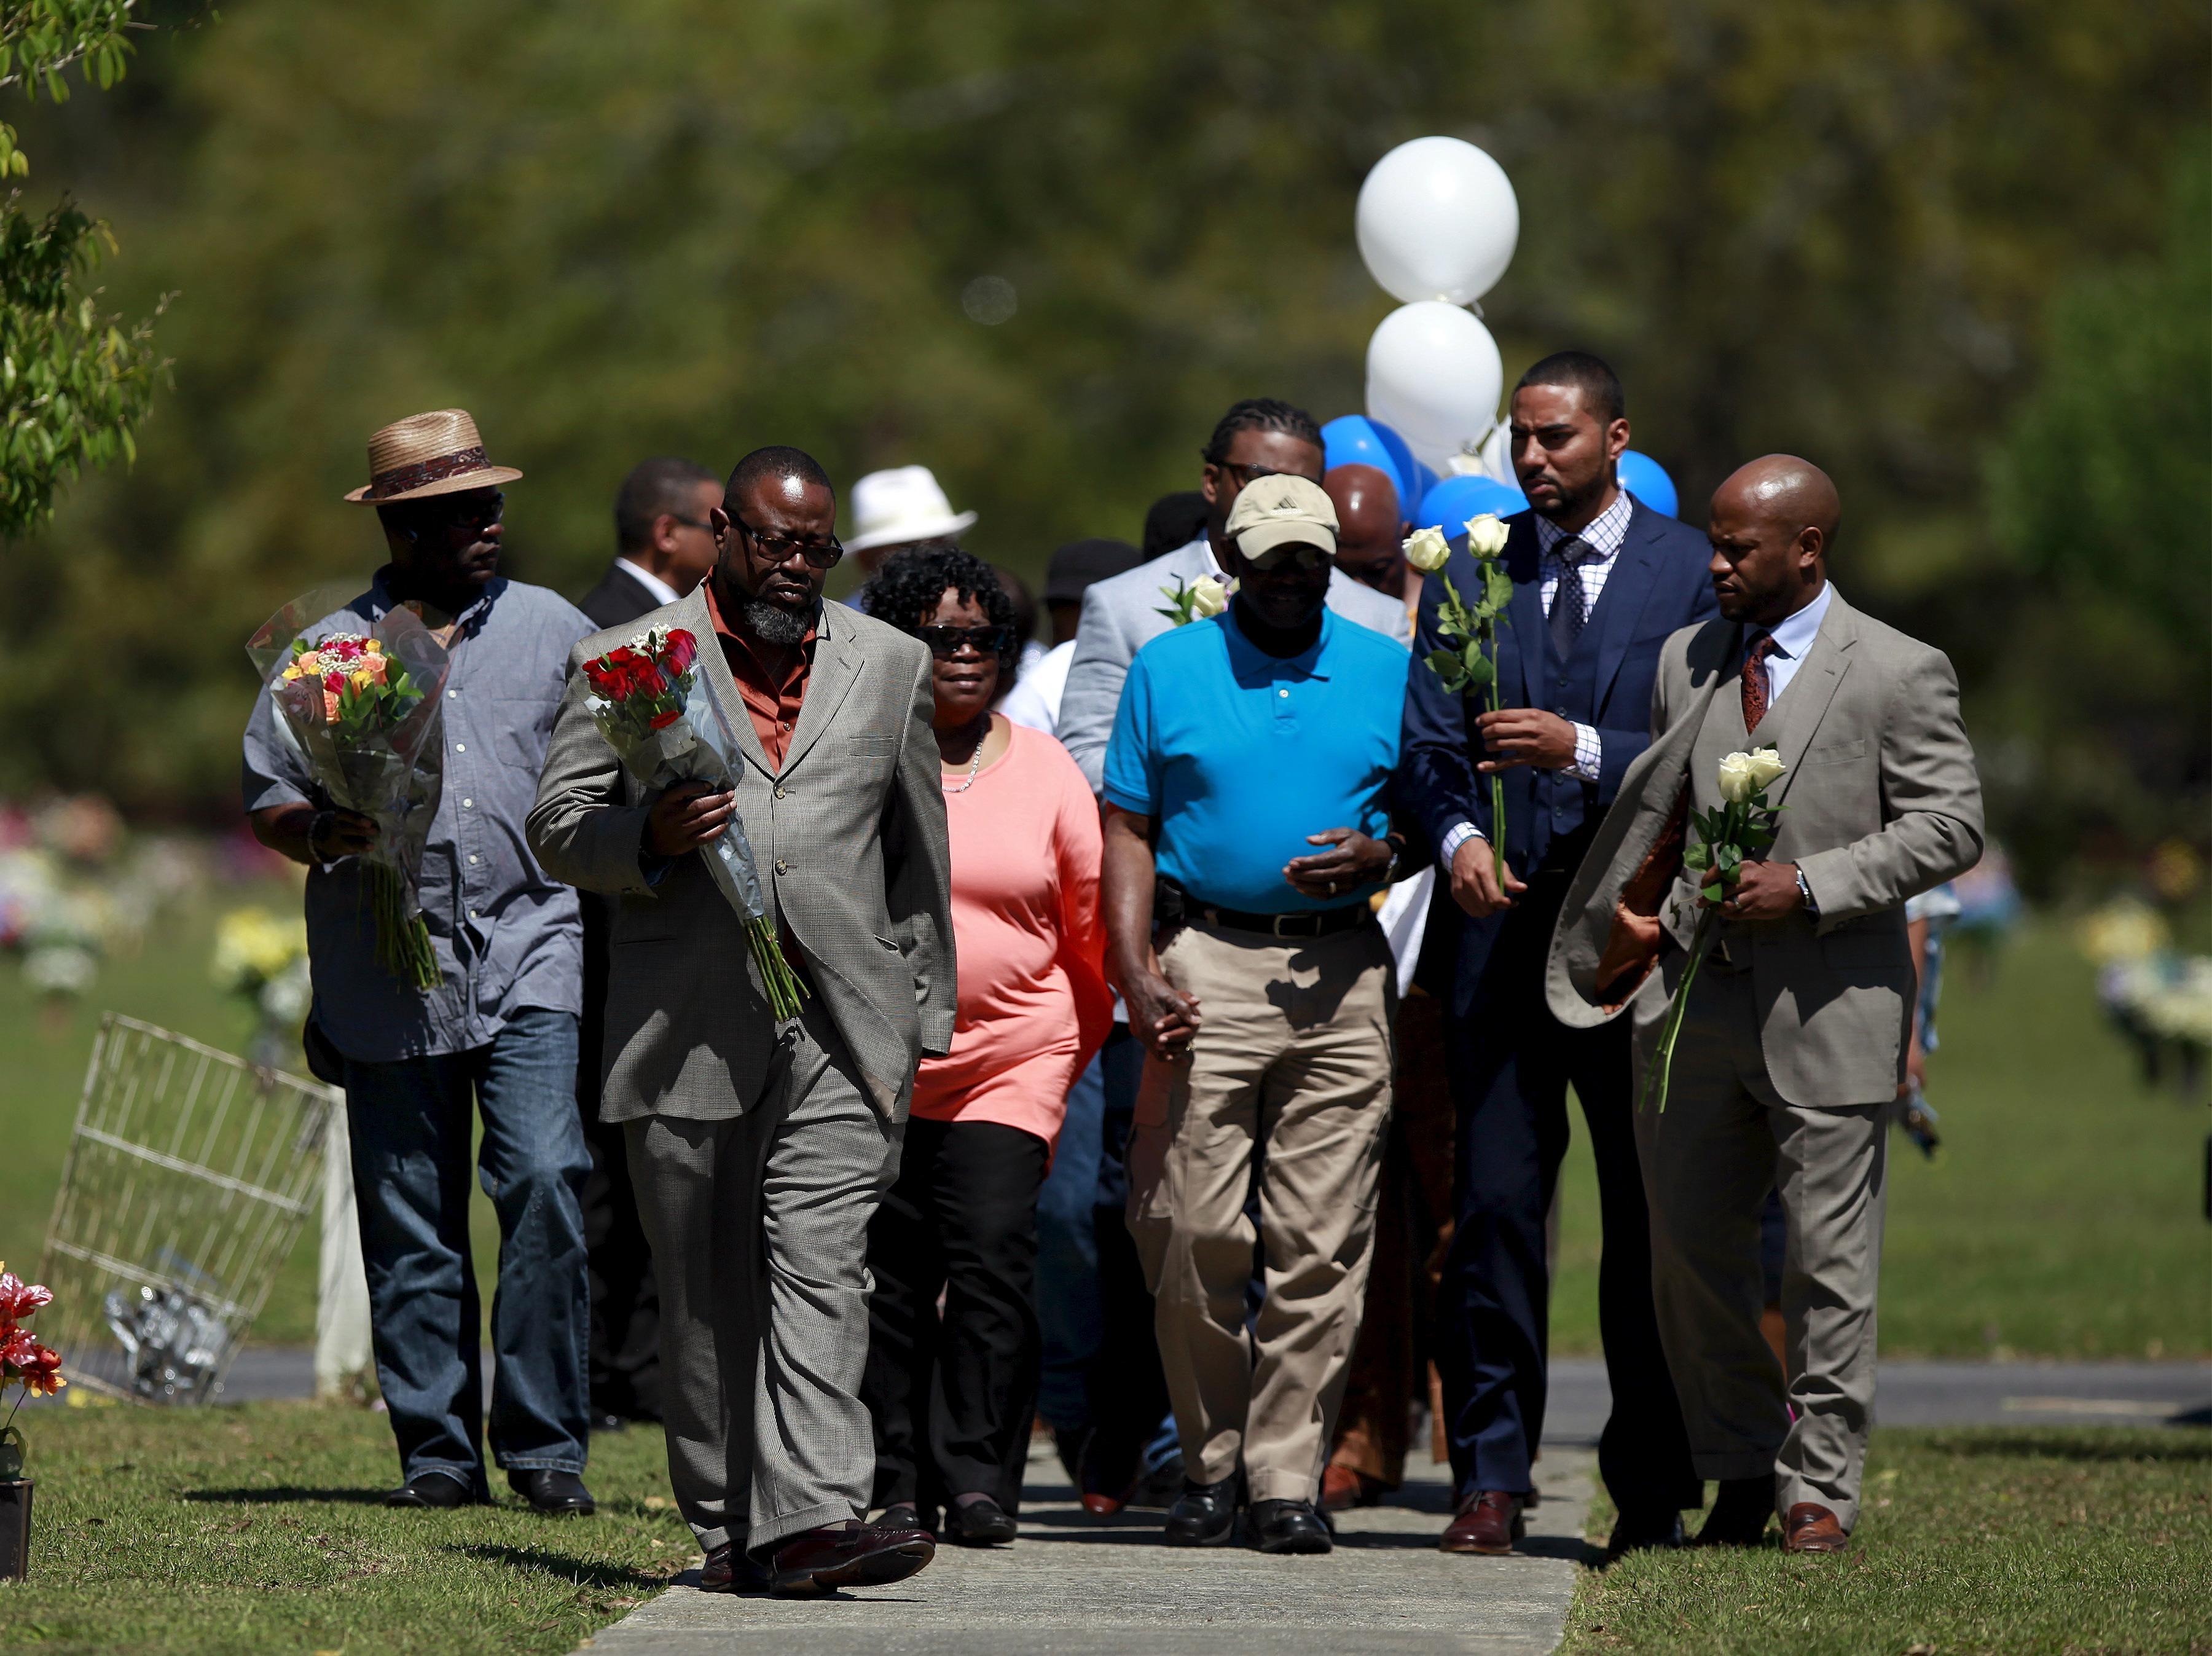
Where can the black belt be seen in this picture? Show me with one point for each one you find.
(1317, 923)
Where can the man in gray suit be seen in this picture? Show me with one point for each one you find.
(759, 1149)
(1793, 1044)
(1255, 438)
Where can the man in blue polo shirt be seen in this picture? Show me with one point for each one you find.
(1247, 788)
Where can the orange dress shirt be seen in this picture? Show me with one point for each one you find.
(773, 698)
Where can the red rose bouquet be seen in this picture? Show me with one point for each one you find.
(360, 700)
(666, 727)
(23, 1361)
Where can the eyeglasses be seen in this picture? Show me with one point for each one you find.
(1245, 475)
(947, 640)
(780, 549)
(1304, 554)
(690, 523)
(469, 511)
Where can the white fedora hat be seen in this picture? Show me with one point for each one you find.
(903, 504)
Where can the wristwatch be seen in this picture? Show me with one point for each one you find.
(1805, 891)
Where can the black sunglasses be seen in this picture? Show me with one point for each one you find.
(779, 549)
(991, 640)
(1307, 556)
(468, 511)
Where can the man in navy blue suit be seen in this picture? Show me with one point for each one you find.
(1599, 581)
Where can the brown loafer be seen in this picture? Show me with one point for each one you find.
(817, 1561)
(727, 1570)
(1809, 1527)
(1489, 1523)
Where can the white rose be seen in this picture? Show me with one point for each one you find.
(1738, 778)
(1208, 597)
(1428, 550)
(1766, 766)
(1486, 535)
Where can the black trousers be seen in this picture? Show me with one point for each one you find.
(1512, 1062)
(953, 1396)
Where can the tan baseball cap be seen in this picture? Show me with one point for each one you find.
(1282, 511)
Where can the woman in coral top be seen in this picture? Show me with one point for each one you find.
(952, 1395)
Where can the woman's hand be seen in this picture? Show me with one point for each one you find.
(1352, 859)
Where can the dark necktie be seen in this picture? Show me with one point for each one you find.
(1569, 610)
(1755, 696)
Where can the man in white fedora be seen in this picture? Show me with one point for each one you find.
(496, 1037)
(897, 509)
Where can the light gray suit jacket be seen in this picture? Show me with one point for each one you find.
(1882, 803)
(1121, 616)
(849, 839)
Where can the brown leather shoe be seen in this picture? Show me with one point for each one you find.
(1342, 1488)
(817, 1561)
(1489, 1523)
(1809, 1527)
(727, 1570)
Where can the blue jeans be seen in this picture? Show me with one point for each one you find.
(1068, 1315)
(409, 1123)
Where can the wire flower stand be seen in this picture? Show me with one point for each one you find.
(190, 1174)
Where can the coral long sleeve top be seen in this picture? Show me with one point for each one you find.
(1033, 1004)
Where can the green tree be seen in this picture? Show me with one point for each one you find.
(73, 379)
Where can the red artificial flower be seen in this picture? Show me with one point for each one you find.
(19, 1298)
(662, 721)
(39, 1367)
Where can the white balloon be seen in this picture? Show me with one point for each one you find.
(1434, 376)
(1437, 219)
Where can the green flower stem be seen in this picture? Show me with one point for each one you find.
(1655, 1084)
(778, 981)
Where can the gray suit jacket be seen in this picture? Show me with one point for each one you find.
(849, 839)
(1882, 803)
(1120, 616)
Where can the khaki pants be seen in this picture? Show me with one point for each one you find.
(1725, 1139)
(1290, 1072)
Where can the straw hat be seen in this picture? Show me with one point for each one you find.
(425, 454)
(904, 503)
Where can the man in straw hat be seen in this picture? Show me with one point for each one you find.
(761, 1148)
(499, 1030)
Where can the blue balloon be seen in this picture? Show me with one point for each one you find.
(1355, 440)
(1453, 501)
(1642, 476)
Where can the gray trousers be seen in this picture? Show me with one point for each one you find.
(1725, 1139)
(759, 1227)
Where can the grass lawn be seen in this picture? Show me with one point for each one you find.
(257, 1528)
(1992, 1540)
(2063, 1217)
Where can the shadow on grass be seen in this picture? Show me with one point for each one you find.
(284, 1494)
(2078, 1445)
(579, 1572)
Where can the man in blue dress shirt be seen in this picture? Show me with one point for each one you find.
(1599, 581)
(1246, 786)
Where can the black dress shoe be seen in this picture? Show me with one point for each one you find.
(980, 1523)
(560, 1494)
(1204, 1515)
(1289, 1526)
(907, 1515)
(728, 1570)
(440, 1490)
(1644, 1532)
(1739, 1514)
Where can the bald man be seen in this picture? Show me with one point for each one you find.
(1370, 534)
(1795, 1035)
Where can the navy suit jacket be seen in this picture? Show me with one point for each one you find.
(1658, 585)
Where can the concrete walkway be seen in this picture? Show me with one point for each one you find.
(1076, 1585)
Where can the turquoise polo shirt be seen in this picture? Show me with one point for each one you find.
(1241, 754)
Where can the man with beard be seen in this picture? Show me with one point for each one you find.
(761, 1148)
(1599, 581)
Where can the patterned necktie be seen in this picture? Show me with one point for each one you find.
(1755, 696)
(1569, 610)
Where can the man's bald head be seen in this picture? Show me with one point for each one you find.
(1771, 526)
(1370, 532)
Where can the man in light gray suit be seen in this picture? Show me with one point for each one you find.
(760, 1149)
(1793, 1044)
(1256, 437)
